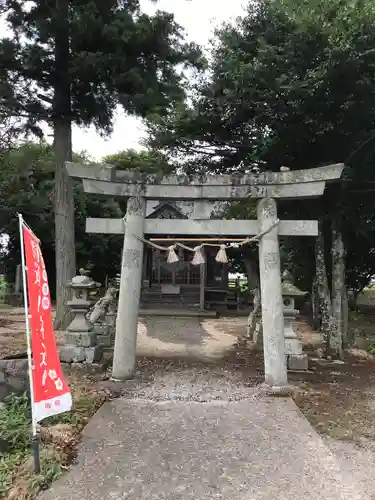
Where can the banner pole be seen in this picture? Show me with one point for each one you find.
(35, 437)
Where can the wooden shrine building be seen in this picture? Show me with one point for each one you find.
(182, 284)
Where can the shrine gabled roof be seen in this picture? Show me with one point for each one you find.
(151, 208)
(172, 204)
(183, 209)
(187, 209)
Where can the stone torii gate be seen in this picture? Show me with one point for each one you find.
(267, 187)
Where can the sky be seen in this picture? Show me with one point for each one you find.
(199, 19)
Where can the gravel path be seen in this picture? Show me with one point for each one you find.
(192, 385)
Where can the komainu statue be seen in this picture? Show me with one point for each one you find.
(104, 305)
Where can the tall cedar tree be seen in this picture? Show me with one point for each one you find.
(73, 62)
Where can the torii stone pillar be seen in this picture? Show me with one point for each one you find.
(130, 290)
(265, 186)
(271, 296)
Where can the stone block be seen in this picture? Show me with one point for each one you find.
(17, 384)
(85, 339)
(10, 366)
(15, 367)
(79, 354)
(93, 354)
(72, 339)
(2, 377)
(105, 340)
(3, 364)
(70, 353)
(111, 319)
(88, 339)
(79, 324)
(101, 329)
(66, 353)
(5, 390)
(293, 346)
(298, 362)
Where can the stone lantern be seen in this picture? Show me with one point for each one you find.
(80, 339)
(296, 359)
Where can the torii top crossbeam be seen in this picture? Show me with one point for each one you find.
(107, 180)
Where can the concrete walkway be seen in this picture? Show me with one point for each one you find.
(259, 449)
(175, 336)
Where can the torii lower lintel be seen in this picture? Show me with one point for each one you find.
(209, 227)
(267, 187)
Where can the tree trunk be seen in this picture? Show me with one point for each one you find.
(63, 194)
(254, 287)
(345, 319)
(252, 273)
(315, 309)
(323, 290)
(64, 224)
(338, 284)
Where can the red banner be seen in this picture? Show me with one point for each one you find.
(51, 393)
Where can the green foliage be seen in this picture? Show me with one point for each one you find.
(15, 431)
(26, 175)
(51, 471)
(74, 62)
(276, 94)
(8, 464)
(143, 161)
(291, 83)
(114, 53)
(15, 418)
(15, 425)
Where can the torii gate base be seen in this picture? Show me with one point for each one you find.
(267, 186)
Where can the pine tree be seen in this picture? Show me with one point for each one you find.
(73, 61)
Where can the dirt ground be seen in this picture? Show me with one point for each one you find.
(338, 398)
(12, 332)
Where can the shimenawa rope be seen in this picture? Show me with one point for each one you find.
(198, 254)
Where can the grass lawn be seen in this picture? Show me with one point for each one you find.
(59, 437)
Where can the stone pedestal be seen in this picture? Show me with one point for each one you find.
(104, 335)
(296, 359)
(81, 344)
